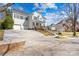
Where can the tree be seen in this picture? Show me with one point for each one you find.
(8, 22)
(72, 11)
(3, 10)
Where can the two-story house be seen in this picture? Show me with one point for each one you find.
(24, 21)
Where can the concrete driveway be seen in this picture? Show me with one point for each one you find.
(39, 45)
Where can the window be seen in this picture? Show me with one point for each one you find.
(37, 24)
(21, 17)
(14, 16)
(17, 16)
(33, 23)
(26, 18)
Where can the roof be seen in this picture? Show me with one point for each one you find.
(52, 24)
(19, 11)
(42, 16)
(67, 20)
(60, 22)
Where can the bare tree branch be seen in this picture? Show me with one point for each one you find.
(3, 8)
(72, 11)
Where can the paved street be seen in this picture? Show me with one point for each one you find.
(39, 45)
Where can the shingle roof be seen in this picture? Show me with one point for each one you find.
(19, 11)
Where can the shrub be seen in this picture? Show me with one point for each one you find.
(8, 23)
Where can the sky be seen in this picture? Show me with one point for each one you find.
(48, 10)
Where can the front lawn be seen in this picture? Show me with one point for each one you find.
(69, 34)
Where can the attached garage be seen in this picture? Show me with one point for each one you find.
(17, 27)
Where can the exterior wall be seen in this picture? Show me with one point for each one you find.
(59, 28)
(18, 23)
(31, 25)
(18, 20)
(53, 28)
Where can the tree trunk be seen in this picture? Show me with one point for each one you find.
(74, 19)
(74, 25)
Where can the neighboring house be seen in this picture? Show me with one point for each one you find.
(66, 25)
(77, 26)
(59, 26)
(52, 27)
(22, 21)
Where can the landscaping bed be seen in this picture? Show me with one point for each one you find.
(46, 33)
(1, 34)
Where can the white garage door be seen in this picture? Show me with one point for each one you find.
(17, 27)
